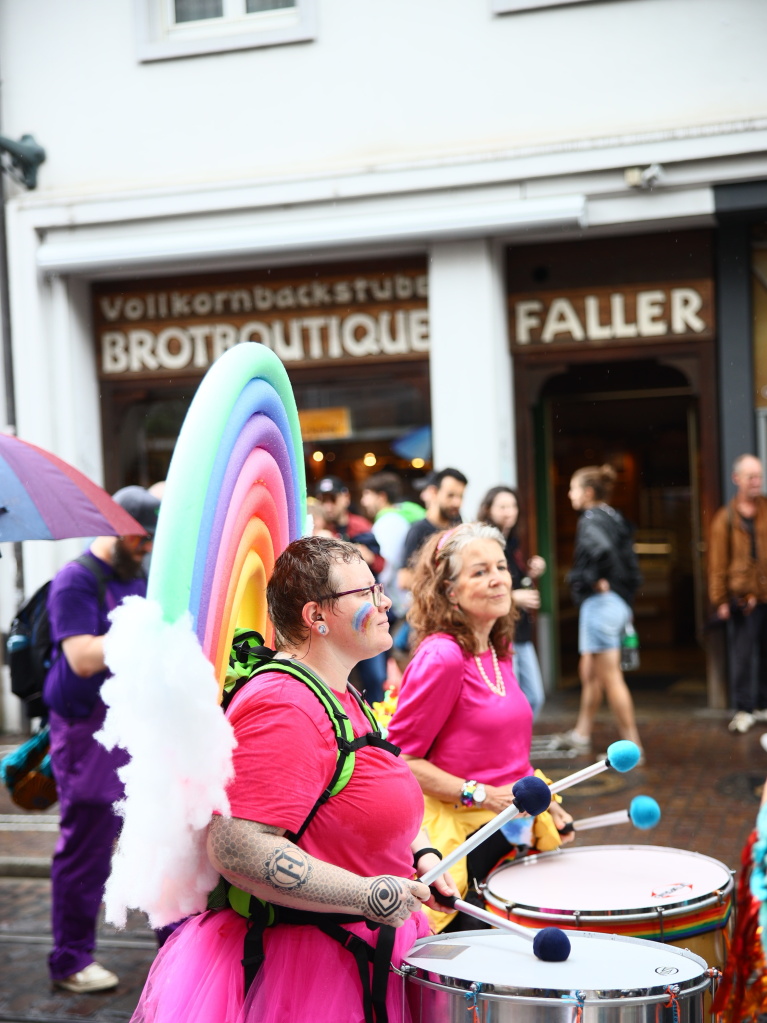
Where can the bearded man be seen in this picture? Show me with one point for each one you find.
(80, 598)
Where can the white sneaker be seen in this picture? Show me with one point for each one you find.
(742, 722)
(93, 978)
(763, 741)
(760, 715)
(570, 740)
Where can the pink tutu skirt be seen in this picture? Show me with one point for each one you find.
(197, 976)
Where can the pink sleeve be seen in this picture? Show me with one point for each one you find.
(431, 686)
(285, 755)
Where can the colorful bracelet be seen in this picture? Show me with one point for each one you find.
(467, 793)
(422, 852)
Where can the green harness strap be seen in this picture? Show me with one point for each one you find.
(250, 658)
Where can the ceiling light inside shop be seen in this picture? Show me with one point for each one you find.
(370, 459)
(318, 456)
(417, 463)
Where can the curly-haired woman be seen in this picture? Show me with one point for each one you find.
(462, 721)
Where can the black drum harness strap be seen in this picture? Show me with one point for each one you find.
(249, 658)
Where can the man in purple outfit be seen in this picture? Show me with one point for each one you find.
(79, 600)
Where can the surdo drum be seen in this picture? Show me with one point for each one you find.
(606, 979)
(644, 891)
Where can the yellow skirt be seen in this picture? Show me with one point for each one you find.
(448, 826)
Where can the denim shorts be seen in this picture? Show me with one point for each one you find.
(602, 619)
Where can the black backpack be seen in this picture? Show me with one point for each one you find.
(29, 650)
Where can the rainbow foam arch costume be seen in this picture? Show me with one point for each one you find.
(235, 497)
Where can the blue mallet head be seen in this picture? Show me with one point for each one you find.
(623, 755)
(552, 945)
(644, 812)
(531, 795)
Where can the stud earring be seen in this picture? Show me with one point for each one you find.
(322, 629)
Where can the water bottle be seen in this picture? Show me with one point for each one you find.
(629, 648)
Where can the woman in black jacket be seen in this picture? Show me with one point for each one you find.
(603, 581)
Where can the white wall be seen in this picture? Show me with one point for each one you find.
(384, 83)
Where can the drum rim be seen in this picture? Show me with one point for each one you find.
(423, 975)
(495, 993)
(604, 914)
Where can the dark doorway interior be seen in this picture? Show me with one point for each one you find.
(641, 417)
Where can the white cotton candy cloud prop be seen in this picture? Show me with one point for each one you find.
(163, 708)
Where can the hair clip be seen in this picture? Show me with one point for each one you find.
(443, 540)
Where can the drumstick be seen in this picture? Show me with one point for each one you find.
(550, 943)
(622, 756)
(531, 795)
(643, 812)
(534, 798)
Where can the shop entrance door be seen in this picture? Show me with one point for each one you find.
(642, 418)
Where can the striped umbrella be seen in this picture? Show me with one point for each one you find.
(45, 498)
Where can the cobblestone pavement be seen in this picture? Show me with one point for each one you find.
(707, 781)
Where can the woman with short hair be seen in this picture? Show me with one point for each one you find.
(461, 720)
(344, 884)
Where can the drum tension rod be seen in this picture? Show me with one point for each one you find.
(660, 910)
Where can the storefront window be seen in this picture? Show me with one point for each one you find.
(354, 340)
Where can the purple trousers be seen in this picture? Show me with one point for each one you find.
(87, 784)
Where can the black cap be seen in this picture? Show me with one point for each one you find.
(143, 506)
(330, 485)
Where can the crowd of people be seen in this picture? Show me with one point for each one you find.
(320, 878)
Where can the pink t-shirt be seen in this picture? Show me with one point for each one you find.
(284, 760)
(447, 714)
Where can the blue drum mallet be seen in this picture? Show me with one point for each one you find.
(550, 944)
(643, 813)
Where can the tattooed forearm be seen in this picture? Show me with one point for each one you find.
(261, 860)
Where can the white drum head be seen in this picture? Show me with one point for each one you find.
(607, 879)
(602, 966)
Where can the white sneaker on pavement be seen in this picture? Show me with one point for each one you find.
(742, 722)
(93, 978)
(570, 740)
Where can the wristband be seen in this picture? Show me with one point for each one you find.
(422, 852)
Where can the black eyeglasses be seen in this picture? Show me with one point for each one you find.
(376, 592)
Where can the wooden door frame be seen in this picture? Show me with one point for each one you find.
(698, 361)
(533, 369)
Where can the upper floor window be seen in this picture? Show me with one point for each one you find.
(183, 28)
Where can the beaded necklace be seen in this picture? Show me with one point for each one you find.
(499, 686)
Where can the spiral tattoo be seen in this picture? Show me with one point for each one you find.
(384, 897)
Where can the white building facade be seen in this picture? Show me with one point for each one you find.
(491, 208)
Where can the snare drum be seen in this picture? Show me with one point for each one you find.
(611, 979)
(643, 891)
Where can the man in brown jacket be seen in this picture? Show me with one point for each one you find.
(737, 588)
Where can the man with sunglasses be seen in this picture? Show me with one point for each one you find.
(80, 599)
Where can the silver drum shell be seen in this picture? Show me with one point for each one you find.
(442, 990)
